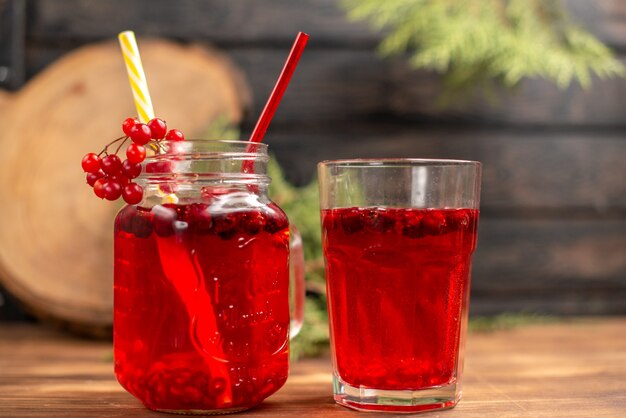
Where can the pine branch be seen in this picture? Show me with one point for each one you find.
(474, 41)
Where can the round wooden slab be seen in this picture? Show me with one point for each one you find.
(5, 100)
(56, 252)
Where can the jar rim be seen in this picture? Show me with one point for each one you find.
(206, 149)
(206, 161)
(235, 142)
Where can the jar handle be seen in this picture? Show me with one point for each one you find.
(296, 281)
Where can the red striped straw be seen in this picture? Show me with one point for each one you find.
(279, 89)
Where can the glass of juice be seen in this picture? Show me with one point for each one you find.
(201, 281)
(398, 237)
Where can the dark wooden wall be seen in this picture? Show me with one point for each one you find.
(553, 220)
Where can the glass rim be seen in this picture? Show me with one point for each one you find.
(394, 162)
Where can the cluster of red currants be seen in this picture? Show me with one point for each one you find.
(110, 177)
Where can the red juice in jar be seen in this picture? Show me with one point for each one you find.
(398, 280)
(201, 316)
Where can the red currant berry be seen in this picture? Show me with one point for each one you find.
(353, 220)
(253, 221)
(218, 385)
(111, 164)
(91, 163)
(198, 216)
(132, 193)
(413, 223)
(331, 221)
(164, 218)
(128, 124)
(225, 225)
(158, 128)
(122, 180)
(175, 135)
(130, 170)
(112, 190)
(135, 220)
(93, 177)
(159, 167)
(98, 188)
(458, 219)
(434, 223)
(140, 134)
(275, 219)
(380, 220)
(135, 153)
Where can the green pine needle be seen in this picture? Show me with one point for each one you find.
(473, 41)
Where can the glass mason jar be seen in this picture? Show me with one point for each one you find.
(201, 290)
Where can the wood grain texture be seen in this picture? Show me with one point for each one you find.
(56, 241)
(604, 18)
(524, 170)
(572, 370)
(354, 86)
(553, 266)
(258, 22)
(224, 21)
(341, 77)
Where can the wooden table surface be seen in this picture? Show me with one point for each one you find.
(572, 369)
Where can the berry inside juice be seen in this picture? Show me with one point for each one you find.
(398, 285)
(201, 316)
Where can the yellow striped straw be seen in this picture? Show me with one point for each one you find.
(139, 87)
(136, 76)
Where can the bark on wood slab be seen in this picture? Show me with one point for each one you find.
(56, 240)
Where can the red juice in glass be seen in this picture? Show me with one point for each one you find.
(201, 289)
(201, 305)
(398, 237)
(410, 268)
